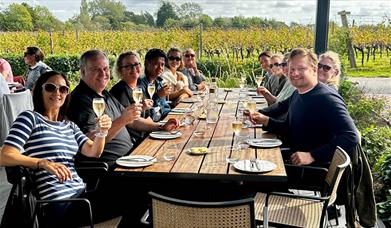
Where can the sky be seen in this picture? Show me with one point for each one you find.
(303, 11)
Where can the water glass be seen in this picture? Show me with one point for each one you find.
(200, 131)
(233, 156)
(170, 151)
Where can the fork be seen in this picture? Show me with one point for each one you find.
(254, 162)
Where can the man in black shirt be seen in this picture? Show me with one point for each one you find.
(317, 120)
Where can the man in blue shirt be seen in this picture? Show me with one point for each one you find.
(154, 66)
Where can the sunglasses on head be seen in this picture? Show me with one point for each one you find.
(325, 68)
(50, 87)
(189, 55)
(172, 58)
(275, 64)
(130, 66)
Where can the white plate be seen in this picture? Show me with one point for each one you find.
(188, 100)
(265, 143)
(261, 167)
(164, 135)
(197, 153)
(252, 94)
(179, 110)
(256, 125)
(134, 161)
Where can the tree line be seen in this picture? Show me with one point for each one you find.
(103, 15)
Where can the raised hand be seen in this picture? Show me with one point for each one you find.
(132, 112)
(104, 123)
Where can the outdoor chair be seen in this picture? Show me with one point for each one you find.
(23, 207)
(13, 104)
(170, 212)
(293, 210)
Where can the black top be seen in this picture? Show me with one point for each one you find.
(123, 93)
(317, 122)
(80, 111)
(281, 83)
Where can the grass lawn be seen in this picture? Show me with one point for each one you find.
(380, 67)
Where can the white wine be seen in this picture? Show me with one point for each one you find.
(251, 105)
(151, 90)
(137, 95)
(98, 106)
(237, 126)
(259, 80)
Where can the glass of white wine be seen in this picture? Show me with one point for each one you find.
(151, 89)
(259, 80)
(98, 105)
(251, 105)
(137, 95)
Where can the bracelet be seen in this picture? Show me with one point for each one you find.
(38, 163)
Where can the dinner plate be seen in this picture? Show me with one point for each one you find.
(179, 110)
(188, 100)
(189, 151)
(259, 166)
(227, 90)
(252, 94)
(134, 161)
(264, 143)
(164, 135)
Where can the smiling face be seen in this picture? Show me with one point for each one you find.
(130, 68)
(54, 99)
(96, 73)
(155, 67)
(276, 70)
(302, 74)
(265, 62)
(190, 58)
(325, 75)
(174, 59)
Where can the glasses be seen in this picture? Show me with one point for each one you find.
(284, 64)
(189, 55)
(50, 88)
(325, 68)
(131, 66)
(172, 58)
(275, 64)
(26, 54)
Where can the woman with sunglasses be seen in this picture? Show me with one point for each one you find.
(176, 79)
(195, 77)
(329, 69)
(34, 57)
(279, 69)
(46, 142)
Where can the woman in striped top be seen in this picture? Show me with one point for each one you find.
(46, 142)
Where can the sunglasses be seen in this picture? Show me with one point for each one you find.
(325, 68)
(284, 64)
(172, 58)
(275, 64)
(131, 66)
(50, 88)
(189, 55)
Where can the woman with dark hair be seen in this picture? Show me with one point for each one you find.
(46, 142)
(177, 80)
(34, 57)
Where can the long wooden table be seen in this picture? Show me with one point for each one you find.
(218, 137)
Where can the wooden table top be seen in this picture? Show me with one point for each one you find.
(218, 138)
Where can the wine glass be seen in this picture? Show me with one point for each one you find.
(170, 151)
(237, 125)
(137, 95)
(151, 89)
(259, 80)
(98, 105)
(251, 105)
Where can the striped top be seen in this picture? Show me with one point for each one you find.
(37, 137)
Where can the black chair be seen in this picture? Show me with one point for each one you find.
(302, 211)
(177, 213)
(24, 208)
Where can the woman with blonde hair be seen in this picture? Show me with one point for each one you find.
(329, 69)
